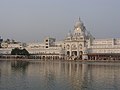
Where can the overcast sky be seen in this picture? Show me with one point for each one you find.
(32, 20)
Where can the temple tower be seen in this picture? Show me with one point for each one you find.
(75, 42)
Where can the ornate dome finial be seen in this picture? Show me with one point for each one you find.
(79, 23)
(79, 18)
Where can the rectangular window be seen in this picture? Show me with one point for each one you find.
(47, 40)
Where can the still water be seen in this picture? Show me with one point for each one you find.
(59, 75)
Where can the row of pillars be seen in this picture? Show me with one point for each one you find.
(46, 57)
(103, 57)
(74, 53)
(43, 57)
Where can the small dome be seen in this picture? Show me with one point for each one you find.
(78, 23)
(69, 34)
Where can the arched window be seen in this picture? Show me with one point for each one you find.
(68, 46)
(74, 47)
(80, 46)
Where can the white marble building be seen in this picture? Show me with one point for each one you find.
(78, 44)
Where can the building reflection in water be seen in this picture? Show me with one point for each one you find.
(76, 75)
(19, 66)
(5, 68)
(60, 75)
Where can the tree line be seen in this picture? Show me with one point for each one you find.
(17, 51)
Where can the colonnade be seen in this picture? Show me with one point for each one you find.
(46, 57)
(40, 57)
(104, 57)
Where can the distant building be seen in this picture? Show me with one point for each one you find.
(7, 46)
(1, 40)
(78, 44)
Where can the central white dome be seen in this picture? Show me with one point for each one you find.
(78, 23)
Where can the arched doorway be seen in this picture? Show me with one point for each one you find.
(81, 53)
(68, 53)
(74, 53)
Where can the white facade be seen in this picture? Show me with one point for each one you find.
(7, 48)
(105, 46)
(49, 46)
(78, 44)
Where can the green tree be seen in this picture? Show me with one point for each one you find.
(17, 51)
(24, 52)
